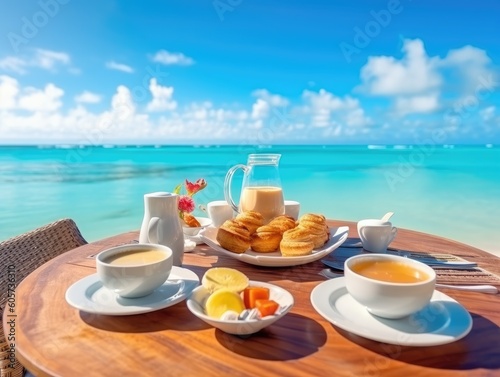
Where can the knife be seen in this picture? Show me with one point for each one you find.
(339, 264)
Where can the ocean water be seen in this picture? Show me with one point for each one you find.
(449, 191)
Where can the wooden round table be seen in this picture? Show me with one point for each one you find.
(55, 339)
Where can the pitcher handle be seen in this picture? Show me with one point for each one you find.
(227, 185)
(153, 229)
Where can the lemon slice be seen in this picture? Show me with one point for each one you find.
(223, 300)
(224, 278)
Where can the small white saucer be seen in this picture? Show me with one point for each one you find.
(89, 295)
(443, 321)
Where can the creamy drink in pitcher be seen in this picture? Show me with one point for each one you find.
(266, 200)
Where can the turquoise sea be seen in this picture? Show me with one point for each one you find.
(452, 191)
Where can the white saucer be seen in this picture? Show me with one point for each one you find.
(442, 321)
(275, 259)
(89, 295)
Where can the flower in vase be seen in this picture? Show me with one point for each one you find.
(186, 201)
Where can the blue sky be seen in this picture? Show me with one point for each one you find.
(241, 71)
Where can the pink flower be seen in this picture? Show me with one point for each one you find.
(186, 203)
(193, 188)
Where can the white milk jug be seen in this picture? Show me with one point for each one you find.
(161, 223)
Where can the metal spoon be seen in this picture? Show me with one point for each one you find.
(471, 288)
(387, 216)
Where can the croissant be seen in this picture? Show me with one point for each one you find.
(317, 227)
(266, 239)
(251, 220)
(233, 236)
(296, 242)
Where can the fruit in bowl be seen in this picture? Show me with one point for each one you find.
(227, 300)
(192, 225)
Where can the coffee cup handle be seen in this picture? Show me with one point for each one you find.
(153, 229)
(227, 185)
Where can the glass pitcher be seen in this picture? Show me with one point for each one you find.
(261, 190)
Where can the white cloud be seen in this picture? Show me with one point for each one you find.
(172, 58)
(13, 64)
(88, 97)
(31, 99)
(487, 113)
(40, 58)
(264, 103)
(473, 66)
(415, 73)
(122, 104)
(326, 109)
(9, 89)
(417, 104)
(260, 109)
(48, 60)
(46, 100)
(119, 67)
(162, 97)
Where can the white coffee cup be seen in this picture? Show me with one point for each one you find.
(292, 208)
(136, 277)
(219, 211)
(376, 234)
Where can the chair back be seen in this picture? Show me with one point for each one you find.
(21, 255)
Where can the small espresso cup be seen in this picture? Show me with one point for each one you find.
(219, 211)
(134, 270)
(292, 208)
(376, 234)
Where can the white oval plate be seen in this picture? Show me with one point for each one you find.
(89, 295)
(275, 259)
(443, 321)
(196, 304)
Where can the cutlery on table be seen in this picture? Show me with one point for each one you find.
(436, 264)
(329, 274)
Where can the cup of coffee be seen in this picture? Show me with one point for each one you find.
(376, 234)
(389, 286)
(134, 270)
(292, 208)
(219, 211)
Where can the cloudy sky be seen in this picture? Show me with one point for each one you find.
(241, 71)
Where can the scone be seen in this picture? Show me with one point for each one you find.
(317, 227)
(296, 242)
(251, 220)
(266, 239)
(283, 222)
(233, 236)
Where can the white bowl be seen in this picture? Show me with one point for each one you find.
(387, 299)
(193, 231)
(196, 304)
(134, 280)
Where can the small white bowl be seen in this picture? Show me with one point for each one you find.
(196, 304)
(138, 279)
(193, 231)
(388, 299)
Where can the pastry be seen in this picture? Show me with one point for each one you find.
(283, 222)
(251, 220)
(296, 242)
(233, 236)
(317, 227)
(266, 239)
(190, 220)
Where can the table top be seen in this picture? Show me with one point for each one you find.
(54, 338)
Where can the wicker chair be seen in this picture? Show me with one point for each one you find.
(25, 253)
